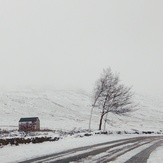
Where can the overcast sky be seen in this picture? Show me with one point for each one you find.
(67, 43)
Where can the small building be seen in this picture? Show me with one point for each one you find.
(29, 124)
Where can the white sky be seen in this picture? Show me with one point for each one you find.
(67, 43)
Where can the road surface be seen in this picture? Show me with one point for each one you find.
(105, 152)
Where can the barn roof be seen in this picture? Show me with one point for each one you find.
(29, 119)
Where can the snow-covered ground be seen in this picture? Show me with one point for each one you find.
(10, 154)
(69, 110)
(23, 152)
(156, 156)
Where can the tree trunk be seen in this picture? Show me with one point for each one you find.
(100, 125)
(106, 116)
(90, 119)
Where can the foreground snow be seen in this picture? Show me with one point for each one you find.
(24, 152)
(69, 111)
(156, 156)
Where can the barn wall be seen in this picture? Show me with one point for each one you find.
(28, 126)
(37, 125)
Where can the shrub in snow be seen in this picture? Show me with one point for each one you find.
(104, 132)
(4, 142)
(17, 141)
(1, 145)
(119, 132)
(87, 134)
(148, 132)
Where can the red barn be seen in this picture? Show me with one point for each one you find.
(29, 124)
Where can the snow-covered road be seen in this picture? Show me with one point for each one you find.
(105, 152)
(115, 146)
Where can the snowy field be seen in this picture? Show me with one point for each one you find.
(68, 110)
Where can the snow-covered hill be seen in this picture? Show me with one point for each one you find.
(69, 109)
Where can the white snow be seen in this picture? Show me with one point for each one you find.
(22, 152)
(156, 156)
(69, 110)
(9, 154)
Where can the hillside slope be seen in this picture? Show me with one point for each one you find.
(67, 109)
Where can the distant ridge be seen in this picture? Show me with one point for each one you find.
(69, 109)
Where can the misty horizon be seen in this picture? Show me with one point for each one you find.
(67, 44)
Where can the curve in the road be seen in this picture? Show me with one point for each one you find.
(84, 152)
(143, 156)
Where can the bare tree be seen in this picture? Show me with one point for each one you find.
(111, 96)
